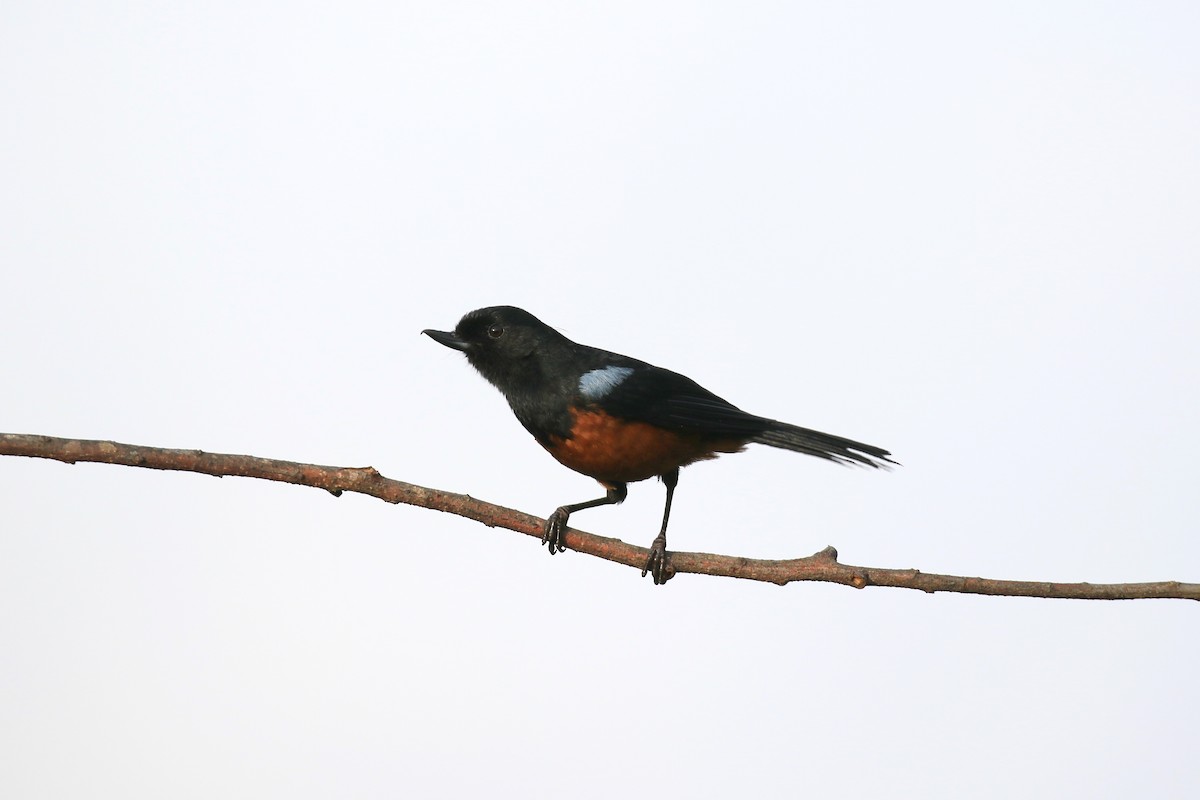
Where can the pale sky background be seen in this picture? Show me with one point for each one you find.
(969, 233)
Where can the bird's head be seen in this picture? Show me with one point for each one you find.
(502, 342)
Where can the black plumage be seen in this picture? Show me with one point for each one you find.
(618, 419)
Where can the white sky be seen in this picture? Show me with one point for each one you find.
(966, 233)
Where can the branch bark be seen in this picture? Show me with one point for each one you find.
(821, 566)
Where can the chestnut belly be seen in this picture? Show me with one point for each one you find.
(613, 450)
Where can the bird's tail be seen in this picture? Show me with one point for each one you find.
(823, 445)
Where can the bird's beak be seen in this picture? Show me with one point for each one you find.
(448, 338)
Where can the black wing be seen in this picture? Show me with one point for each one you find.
(669, 400)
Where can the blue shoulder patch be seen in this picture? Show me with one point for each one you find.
(599, 382)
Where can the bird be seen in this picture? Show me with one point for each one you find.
(619, 420)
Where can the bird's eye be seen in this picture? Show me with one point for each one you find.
(495, 331)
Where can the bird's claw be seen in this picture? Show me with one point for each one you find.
(556, 524)
(656, 564)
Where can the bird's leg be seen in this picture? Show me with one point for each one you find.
(556, 524)
(656, 565)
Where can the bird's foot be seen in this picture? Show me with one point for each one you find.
(556, 525)
(656, 564)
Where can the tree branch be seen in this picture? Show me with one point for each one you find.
(822, 566)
